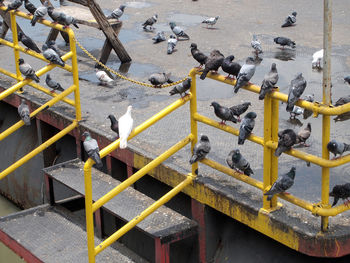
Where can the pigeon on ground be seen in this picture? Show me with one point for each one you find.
(114, 124)
(347, 79)
(223, 113)
(198, 55)
(201, 149)
(117, 13)
(245, 74)
(256, 45)
(150, 21)
(14, 5)
(28, 42)
(53, 84)
(230, 67)
(213, 63)
(282, 184)
(158, 79)
(181, 88)
(125, 124)
(290, 20)
(287, 138)
(52, 44)
(246, 127)
(284, 41)
(236, 161)
(39, 13)
(23, 111)
(238, 110)
(340, 191)
(27, 70)
(296, 89)
(178, 31)
(269, 82)
(91, 148)
(341, 101)
(337, 147)
(210, 21)
(52, 56)
(296, 111)
(316, 59)
(310, 98)
(103, 77)
(159, 37)
(172, 41)
(67, 20)
(303, 135)
(30, 7)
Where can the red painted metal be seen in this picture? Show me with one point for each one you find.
(162, 252)
(99, 222)
(129, 170)
(109, 164)
(199, 216)
(49, 189)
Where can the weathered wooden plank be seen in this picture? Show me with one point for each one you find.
(107, 47)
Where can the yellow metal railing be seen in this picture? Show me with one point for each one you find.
(21, 82)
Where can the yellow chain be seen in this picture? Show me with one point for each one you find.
(122, 76)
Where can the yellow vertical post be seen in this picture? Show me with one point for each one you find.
(193, 110)
(267, 150)
(15, 44)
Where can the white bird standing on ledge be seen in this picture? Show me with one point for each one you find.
(125, 123)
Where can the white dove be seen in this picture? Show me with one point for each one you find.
(125, 124)
(316, 59)
(103, 77)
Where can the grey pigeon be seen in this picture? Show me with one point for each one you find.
(54, 14)
(201, 149)
(158, 79)
(23, 111)
(210, 21)
(239, 109)
(296, 89)
(290, 20)
(213, 63)
(256, 45)
(282, 184)
(342, 100)
(230, 67)
(307, 113)
(296, 111)
(246, 127)
(269, 82)
(340, 191)
(172, 41)
(284, 41)
(198, 55)
(347, 79)
(27, 70)
(287, 138)
(117, 13)
(14, 5)
(304, 134)
(245, 74)
(52, 44)
(39, 13)
(114, 124)
(178, 31)
(67, 20)
(53, 84)
(223, 113)
(52, 56)
(236, 161)
(159, 37)
(91, 148)
(29, 6)
(337, 147)
(150, 21)
(125, 124)
(28, 42)
(181, 88)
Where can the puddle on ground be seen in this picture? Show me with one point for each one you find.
(185, 19)
(138, 4)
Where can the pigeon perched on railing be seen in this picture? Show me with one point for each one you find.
(117, 13)
(239, 109)
(269, 82)
(52, 56)
(287, 138)
(178, 31)
(53, 84)
(296, 89)
(223, 113)
(340, 191)
(210, 21)
(91, 148)
(125, 124)
(317, 59)
(256, 45)
(54, 14)
(213, 63)
(230, 67)
(181, 88)
(67, 20)
(159, 37)
(290, 20)
(303, 135)
(198, 55)
(246, 127)
(30, 7)
(282, 184)
(245, 74)
(150, 21)
(284, 41)
(201, 149)
(158, 79)
(172, 41)
(14, 5)
(114, 124)
(24, 113)
(28, 42)
(236, 161)
(307, 113)
(342, 100)
(39, 13)
(338, 148)
(27, 70)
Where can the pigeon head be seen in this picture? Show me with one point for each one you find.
(172, 25)
(275, 40)
(294, 13)
(204, 138)
(50, 9)
(273, 67)
(251, 115)
(45, 47)
(217, 17)
(86, 134)
(236, 155)
(51, 43)
(20, 35)
(231, 57)
(309, 126)
(332, 146)
(111, 117)
(48, 77)
(215, 105)
(291, 173)
(122, 7)
(193, 46)
(336, 191)
(250, 60)
(299, 75)
(255, 37)
(20, 61)
(155, 16)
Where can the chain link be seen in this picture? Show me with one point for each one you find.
(122, 76)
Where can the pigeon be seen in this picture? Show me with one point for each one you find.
(240, 109)
(52, 44)
(114, 124)
(296, 89)
(53, 84)
(52, 56)
(39, 13)
(181, 88)
(236, 161)
(296, 111)
(310, 98)
(103, 77)
(172, 41)
(303, 135)
(245, 74)
(256, 45)
(198, 55)
(178, 31)
(14, 5)
(125, 124)
(158, 79)
(159, 37)
(316, 59)
(213, 63)
(337, 147)
(54, 14)
(28, 42)
(246, 127)
(230, 67)
(117, 13)
(287, 138)
(91, 148)
(290, 20)
(282, 184)
(210, 21)
(340, 191)
(201, 149)
(27, 70)
(223, 113)
(341, 101)
(347, 79)
(269, 82)
(150, 21)
(284, 41)
(30, 7)
(24, 113)
(67, 20)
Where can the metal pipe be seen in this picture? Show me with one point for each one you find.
(15, 43)
(274, 137)
(193, 111)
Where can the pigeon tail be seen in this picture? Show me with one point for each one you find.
(241, 141)
(123, 143)
(248, 171)
(286, 24)
(36, 78)
(193, 159)
(289, 107)
(34, 20)
(26, 120)
(280, 149)
(204, 74)
(96, 157)
(346, 147)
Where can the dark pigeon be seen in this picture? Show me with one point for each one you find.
(28, 42)
(340, 191)
(337, 147)
(52, 56)
(246, 127)
(296, 89)
(269, 82)
(181, 88)
(287, 138)
(114, 124)
(29, 6)
(198, 55)
(347, 79)
(238, 110)
(284, 41)
(117, 13)
(245, 74)
(236, 161)
(290, 20)
(213, 63)
(39, 13)
(178, 31)
(150, 21)
(201, 149)
(91, 148)
(24, 113)
(14, 5)
(223, 113)
(282, 184)
(159, 37)
(158, 79)
(341, 101)
(304, 134)
(67, 20)
(53, 84)
(230, 67)
(27, 70)
(310, 98)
